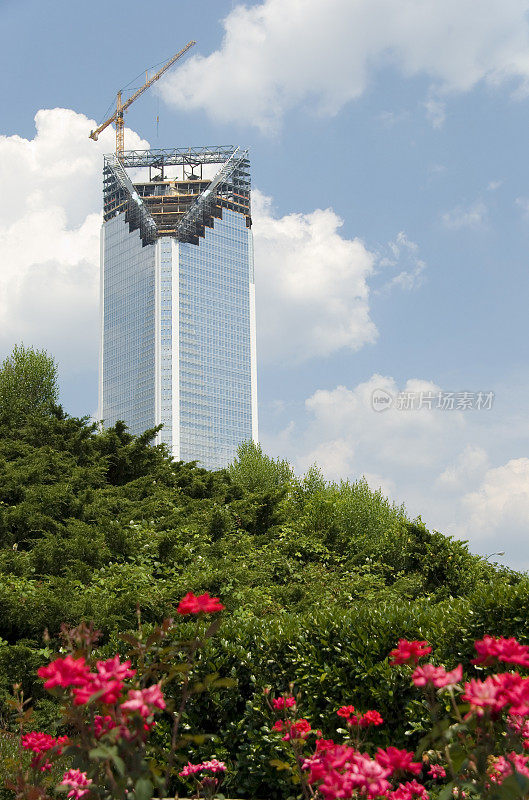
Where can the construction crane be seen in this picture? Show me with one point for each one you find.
(118, 116)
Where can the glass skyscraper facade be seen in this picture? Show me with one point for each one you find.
(178, 301)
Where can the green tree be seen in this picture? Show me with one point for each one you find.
(28, 382)
(255, 471)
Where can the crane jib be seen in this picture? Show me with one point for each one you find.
(117, 117)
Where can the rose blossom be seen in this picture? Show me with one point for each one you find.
(409, 652)
(191, 604)
(64, 672)
(144, 700)
(436, 676)
(409, 791)
(398, 760)
(279, 703)
(490, 650)
(206, 766)
(437, 771)
(78, 781)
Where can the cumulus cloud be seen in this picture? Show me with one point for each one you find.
(49, 236)
(438, 462)
(313, 290)
(311, 284)
(277, 54)
(501, 502)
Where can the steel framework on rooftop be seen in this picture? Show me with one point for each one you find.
(179, 207)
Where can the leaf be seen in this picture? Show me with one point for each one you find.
(143, 789)
(280, 765)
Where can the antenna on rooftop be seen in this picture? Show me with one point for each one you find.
(118, 117)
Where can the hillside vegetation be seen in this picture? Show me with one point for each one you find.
(319, 579)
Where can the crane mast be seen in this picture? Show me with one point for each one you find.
(118, 117)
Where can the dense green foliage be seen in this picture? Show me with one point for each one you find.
(28, 382)
(319, 579)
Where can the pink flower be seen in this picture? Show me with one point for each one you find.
(206, 766)
(485, 694)
(491, 650)
(436, 771)
(436, 676)
(369, 776)
(409, 791)
(398, 760)
(279, 703)
(191, 604)
(144, 700)
(113, 669)
(64, 672)
(78, 781)
(450, 678)
(503, 767)
(103, 725)
(409, 652)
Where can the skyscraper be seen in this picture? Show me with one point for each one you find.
(178, 300)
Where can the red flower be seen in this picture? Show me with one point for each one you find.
(397, 760)
(346, 711)
(490, 650)
(409, 652)
(437, 771)
(279, 703)
(278, 725)
(64, 672)
(108, 691)
(370, 718)
(191, 604)
(296, 730)
(409, 791)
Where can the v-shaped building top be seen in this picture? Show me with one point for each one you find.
(178, 300)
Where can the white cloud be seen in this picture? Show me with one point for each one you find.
(49, 236)
(438, 462)
(472, 462)
(403, 253)
(501, 502)
(311, 285)
(470, 217)
(277, 54)
(313, 296)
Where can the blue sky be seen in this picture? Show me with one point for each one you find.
(389, 155)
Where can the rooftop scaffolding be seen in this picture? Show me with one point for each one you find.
(180, 207)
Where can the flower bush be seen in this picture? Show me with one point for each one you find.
(476, 746)
(476, 749)
(109, 708)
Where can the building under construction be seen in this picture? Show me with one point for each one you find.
(177, 299)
